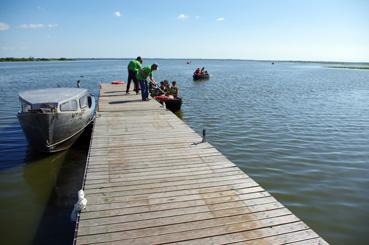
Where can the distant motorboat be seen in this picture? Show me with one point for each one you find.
(52, 119)
(201, 76)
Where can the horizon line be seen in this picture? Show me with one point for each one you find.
(188, 59)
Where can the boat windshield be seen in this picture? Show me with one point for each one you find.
(83, 102)
(70, 105)
(42, 107)
(25, 106)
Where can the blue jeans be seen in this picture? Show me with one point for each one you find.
(144, 89)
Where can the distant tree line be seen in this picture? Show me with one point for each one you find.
(11, 59)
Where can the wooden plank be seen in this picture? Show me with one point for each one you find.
(182, 227)
(170, 191)
(249, 226)
(263, 235)
(231, 173)
(147, 167)
(175, 197)
(224, 195)
(151, 196)
(107, 179)
(313, 241)
(217, 207)
(285, 238)
(134, 175)
(161, 184)
(227, 211)
(145, 207)
(163, 178)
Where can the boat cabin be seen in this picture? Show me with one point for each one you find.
(53, 100)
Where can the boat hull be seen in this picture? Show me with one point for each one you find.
(173, 104)
(53, 132)
(200, 77)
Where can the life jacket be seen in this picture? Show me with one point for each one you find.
(173, 91)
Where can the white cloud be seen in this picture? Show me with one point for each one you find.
(197, 17)
(52, 25)
(4, 26)
(220, 19)
(117, 13)
(37, 26)
(7, 48)
(182, 17)
(12, 48)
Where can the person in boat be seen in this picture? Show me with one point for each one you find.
(166, 86)
(157, 91)
(197, 71)
(163, 89)
(133, 67)
(202, 71)
(142, 76)
(173, 90)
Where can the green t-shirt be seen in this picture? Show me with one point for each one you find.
(134, 65)
(144, 73)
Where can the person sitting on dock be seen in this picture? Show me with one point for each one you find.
(173, 90)
(142, 76)
(133, 67)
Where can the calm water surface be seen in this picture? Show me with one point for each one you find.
(300, 130)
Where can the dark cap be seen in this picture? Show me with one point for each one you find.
(138, 58)
(154, 65)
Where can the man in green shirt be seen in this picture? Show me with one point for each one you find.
(133, 67)
(142, 76)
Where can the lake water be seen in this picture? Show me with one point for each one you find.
(301, 130)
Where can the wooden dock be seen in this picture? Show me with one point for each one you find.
(149, 180)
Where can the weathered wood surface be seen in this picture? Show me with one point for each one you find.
(150, 181)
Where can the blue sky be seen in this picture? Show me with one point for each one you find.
(230, 29)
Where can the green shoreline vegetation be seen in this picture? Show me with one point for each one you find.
(12, 59)
(350, 67)
(328, 64)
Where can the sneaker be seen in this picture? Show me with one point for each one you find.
(127, 92)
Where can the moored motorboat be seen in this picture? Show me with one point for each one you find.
(52, 119)
(172, 104)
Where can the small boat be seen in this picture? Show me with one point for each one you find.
(172, 104)
(52, 119)
(200, 76)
